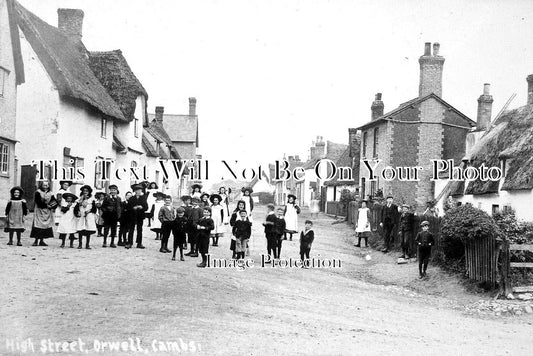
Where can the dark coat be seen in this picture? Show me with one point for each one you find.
(137, 214)
(269, 224)
(407, 221)
(242, 229)
(306, 240)
(111, 209)
(209, 225)
(389, 216)
(195, 214)
(279, 227)
(425, 239)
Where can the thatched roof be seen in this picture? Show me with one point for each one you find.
(148, 147)
(180, 128)
(15, 42)
(66, 63)
(114, 73)
(344, 161)
(159, 133)
(510, 138)
(413, 102)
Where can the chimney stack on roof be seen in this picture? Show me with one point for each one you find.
(431, 67)
(159, 111)
(192, 106)
(70, 22)
(377, 107)
(529, 89)
(484, 108)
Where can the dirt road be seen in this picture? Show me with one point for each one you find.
(112, 295)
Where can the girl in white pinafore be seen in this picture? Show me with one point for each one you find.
(363, 228)
(291, 216)
(219, 216)
(85, 210)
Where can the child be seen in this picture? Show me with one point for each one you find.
(67, 220)
(362, 227)
(195, 215)
(179, 232)
(204, 198)
(111, 212)
(16, 210)
(124, 220)
(224, 201)
(151, 198)
(425, 240)
(218, 213)
(242, 231)
(156, 206)
(166, 217)
(269, 230)
(85, 210)
(64, 188)
(196, 191)
(43, 216)
(186, 199)
(306, 240)
(137, 208)
(279, 231)
(291, 216)
(204, 227)
(99, 200)
(407, 221)
(241, 205)
(248, 201)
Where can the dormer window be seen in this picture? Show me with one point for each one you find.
(136, 126)
(103, 128)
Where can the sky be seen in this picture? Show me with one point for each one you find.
(270, 76)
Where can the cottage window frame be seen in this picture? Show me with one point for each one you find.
(103, 128)
(365, 139)
(376, 142)
(4, 73)
(136, 127)
(5, 156)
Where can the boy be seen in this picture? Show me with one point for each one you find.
(279, 231)
(179, 231)
(424, 240)
(195, 214)
(137, 206)
(406, 227)
(167, 216)
(186, 199)
(204, 227)
(242, 229)
(111, 209)
(306, 240)
(269, 230)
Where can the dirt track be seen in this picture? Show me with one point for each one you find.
(116, 294)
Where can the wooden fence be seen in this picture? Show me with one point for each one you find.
(481, 259)
(506, 265)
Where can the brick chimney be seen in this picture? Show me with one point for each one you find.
(377, 107)
(431, 71)
(159, 111)
(529, 89)
(320, 147)
(484, 108)
(353, 142)
(192, 106)
(312, 151)
(70, 22)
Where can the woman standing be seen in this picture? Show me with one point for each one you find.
(85, 210)
(291, 216)
(43, 215)
(362, 227)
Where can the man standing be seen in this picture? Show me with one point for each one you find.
(111, 210)
(137, 205)
(389, 220)
(407, 222)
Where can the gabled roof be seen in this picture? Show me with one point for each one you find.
(180, 128)
(66, 63)
(404, 106)
(116, 76)
(343, 161)
(159, 133)
(117, 145)
(333, 152)
(15, 42)
(511, 137)
(147, 146)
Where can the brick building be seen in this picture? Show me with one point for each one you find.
(419, 130)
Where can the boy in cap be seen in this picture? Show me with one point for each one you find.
(279, 230)
(307, 236)
(194, 216)
(167, 216)
(269, 230)
(204, 227)
(111, 210)
(179, 231)
(424, 240)
(137, 206)
(406, 227)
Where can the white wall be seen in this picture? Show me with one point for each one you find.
(519, 200)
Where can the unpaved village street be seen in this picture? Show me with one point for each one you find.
(111, 295)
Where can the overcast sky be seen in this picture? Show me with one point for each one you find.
(270, 76)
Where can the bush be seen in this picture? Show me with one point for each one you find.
(517, 232)
(462, 225)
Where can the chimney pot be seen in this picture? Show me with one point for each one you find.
(159, 111)
(486, 89)
(192, 106)
(70, 22)
(427, 49)
(529, 89)
(436, 47)
(484, 109)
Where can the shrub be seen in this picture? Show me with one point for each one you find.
(518, 232)
(464, 224)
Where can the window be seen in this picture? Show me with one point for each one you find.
(4, 158)
(136, 127)
(99, 183)
(363, 188)
(373, 188)
(103, 128)
(364, 143)
(3, 78)
(376, 137)
(495, 209)
(132, 176)
(503, 167)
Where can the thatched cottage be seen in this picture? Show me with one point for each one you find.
(507, 143)
(11, 75)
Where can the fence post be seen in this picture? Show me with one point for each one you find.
(504, 276)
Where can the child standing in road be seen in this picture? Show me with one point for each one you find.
(67, 220)
(306, 240)
(424, 240)
(242, 231)
(269, 230)
(179, 231)
(279, 230)
(16, 210)
(204, 226)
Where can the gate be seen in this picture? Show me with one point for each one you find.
(506, 286)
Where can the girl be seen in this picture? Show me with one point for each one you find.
(123, 221)
(196, 191)
(156, 206)
(362, 227)
(205, 200)
(219, 216)
(16, 210)
(64, 187)
(248, 201)
(151, 198)
(43, 215)
(99, 200)
(291, 216)
(224, 198)
(85, 210)
(67, 220)
(241, 206)
(242, 230)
